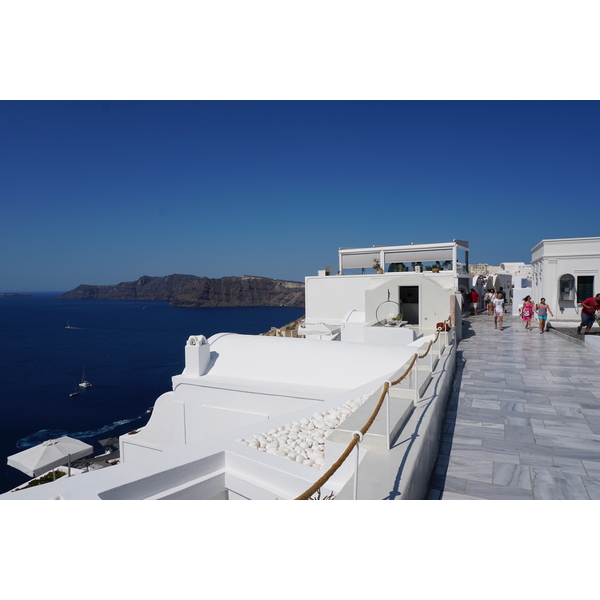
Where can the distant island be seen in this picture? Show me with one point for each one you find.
(12, 295)
(193, 291)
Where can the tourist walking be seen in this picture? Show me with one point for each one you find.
(503, 294)
(474, 301)
(489, 300)
(588, 309)
(498, 310)
(542, 310)
(526, 311)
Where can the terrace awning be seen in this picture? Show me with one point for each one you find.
(364, 260)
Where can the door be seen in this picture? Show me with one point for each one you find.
(409, 300)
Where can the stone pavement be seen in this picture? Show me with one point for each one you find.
(523, 420)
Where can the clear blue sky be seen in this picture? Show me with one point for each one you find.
(100, 192)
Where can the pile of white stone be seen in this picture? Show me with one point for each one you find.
(303, 441)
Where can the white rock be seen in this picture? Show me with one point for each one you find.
(280, 453)
(309, 462)
(299, 458)
(304, 421)
(271, 450)
(292, 455)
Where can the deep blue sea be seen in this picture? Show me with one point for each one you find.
(129, 349)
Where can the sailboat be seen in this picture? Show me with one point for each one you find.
(84, 383)
(68, 326)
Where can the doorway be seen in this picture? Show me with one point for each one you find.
(409, 300)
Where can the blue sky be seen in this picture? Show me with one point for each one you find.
(100, 192)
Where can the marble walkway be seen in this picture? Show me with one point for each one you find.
(523, 420)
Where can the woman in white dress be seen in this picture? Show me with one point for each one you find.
(498, 310)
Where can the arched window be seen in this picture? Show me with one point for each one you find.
(566, 287)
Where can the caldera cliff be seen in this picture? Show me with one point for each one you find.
(193, 291)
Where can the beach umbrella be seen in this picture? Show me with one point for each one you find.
(49, 454)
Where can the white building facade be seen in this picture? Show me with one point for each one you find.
(420, 282)
(566, 272)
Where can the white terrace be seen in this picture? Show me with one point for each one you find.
(359, 304)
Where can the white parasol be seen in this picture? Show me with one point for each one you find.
(49, 454)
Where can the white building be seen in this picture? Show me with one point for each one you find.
(417, 281)
(565, 272)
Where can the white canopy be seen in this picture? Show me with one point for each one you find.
(49, 454)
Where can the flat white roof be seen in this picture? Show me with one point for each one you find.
(408, 247)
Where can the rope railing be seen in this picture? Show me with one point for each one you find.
(358, 435)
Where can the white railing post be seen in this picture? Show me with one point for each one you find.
(360, 439)
(416, 367)
(387, 404)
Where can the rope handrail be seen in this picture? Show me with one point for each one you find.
(432, 342)
(355, 439)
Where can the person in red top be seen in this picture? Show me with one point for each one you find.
(588, 309)
(474, 301)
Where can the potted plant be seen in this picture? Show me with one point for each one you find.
(377, 266)
(435, 269)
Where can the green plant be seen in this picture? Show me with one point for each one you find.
(376, 264)
(52, 476)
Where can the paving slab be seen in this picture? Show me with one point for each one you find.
(523, 421)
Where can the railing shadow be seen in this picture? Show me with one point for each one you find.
(437, 480)
(450, 406)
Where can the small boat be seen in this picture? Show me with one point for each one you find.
(150, 410)
(68, 326)
(75, 393)
(84, 383)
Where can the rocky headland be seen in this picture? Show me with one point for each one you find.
(193, 291)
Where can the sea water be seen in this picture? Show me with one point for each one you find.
(129, 350)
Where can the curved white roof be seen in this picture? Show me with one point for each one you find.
(300, 362)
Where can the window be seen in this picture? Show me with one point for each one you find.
(585, 287)
(566, 287)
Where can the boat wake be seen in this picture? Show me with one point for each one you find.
(47, 434)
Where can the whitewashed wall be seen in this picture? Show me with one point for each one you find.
(553, 258)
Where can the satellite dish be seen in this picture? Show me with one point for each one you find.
(328, 270)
